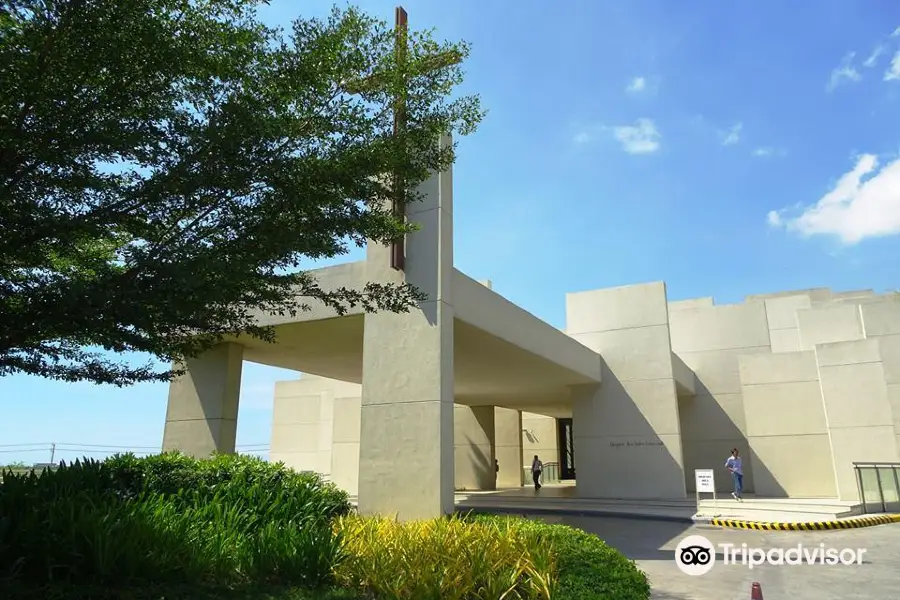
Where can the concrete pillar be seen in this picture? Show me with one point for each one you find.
(201, 417)
(473, 456)
(406, 431)
(627, 432)
(508, 446)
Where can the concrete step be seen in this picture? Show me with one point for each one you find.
(791, 510)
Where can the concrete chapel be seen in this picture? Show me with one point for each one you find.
(635, 394)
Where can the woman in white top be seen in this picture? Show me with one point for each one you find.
(733, 464)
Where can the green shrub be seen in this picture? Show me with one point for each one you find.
(170, 518)
(445, 559)
(586, 567)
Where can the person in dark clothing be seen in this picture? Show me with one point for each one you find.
(536, 468)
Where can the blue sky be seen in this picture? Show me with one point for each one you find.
(727, 147)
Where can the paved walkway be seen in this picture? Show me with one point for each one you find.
(652, 545)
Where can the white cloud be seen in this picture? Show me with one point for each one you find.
(582, 137)
(640, 138)
(768, 151)
(732, 135)
(876, 54)
(896, 33)
(843, 73)
(638, 84)
(893, 72)
(864, 203)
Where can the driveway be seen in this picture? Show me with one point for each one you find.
(652, 545)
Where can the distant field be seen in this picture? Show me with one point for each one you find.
(18, 470)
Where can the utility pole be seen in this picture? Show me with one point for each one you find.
(52, 452)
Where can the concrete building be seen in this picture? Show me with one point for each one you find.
(638, 391)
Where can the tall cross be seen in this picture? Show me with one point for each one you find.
(428, 63)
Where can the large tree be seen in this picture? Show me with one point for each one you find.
(166, 165)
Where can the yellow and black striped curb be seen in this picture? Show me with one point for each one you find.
(853, 523)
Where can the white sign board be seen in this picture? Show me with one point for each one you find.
(706, 481)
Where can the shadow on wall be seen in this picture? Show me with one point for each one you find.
(618, 453)
(529, 435)
(708, 435)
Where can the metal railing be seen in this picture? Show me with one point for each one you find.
(550, 474)
(879, 486)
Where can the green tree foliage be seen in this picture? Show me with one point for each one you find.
(165, 165)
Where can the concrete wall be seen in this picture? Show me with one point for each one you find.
(539, 436)
(627, 430)
(857, 410)
(881, 321)
(804, 383)
(316, 427)
(710, 340)
(787, 432)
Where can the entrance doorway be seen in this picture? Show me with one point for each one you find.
(566, 449)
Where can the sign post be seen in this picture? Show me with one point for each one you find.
(705, 483)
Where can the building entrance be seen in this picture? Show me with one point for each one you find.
(566, 449)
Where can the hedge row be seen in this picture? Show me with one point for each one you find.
(132, 523)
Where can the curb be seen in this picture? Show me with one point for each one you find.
(572, 512)
(851, 523)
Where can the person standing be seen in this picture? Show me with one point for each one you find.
(733, 464)
(536, 468)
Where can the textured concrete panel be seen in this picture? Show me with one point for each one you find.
(781, 368)
(296, 407)
(412, 434)
(632, 408)
(815, 294)
(707, 417)
(296, 437)
(794, 466)
(617, 308)
(848, 353)
(201, 416)
(889, 347)
(539, 436)
(691, 303)
(719, 328)
(793, 408)
(347, 413)
(621, 428)
(882, 318)
(862, 393)
(785, 340)
(685, 380)
(781, 313)
(640, 467)
(473, 437)
(508, 446)
(345, 466)
(718, 371)
(633, 354)
(827, 324)
(869, 444)
(857, 409)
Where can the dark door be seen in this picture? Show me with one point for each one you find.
(566, 449)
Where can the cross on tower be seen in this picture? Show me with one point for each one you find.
(428, 63)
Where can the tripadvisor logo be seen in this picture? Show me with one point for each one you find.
(696, 555)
